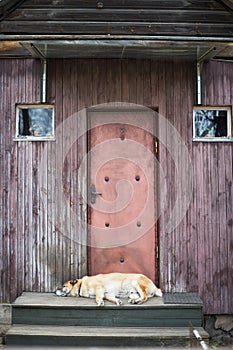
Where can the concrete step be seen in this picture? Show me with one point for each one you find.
(41, 335)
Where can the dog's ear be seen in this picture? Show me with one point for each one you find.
(74, 282)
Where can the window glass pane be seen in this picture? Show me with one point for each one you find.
(211, 123)
(34, 122)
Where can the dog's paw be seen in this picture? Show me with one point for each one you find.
(158, 293)
(135, 301)
(131, 301)
(119, 302)
(100, 303)
(60, 293)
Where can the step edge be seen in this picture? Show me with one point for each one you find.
(108, 307)
(18, 330)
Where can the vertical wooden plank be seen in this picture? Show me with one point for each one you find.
(82, 180)
(11, 247)
(186, 132)
(18, 205)
(66, 73)
(13, 215)
(229, 227)
(128, 81)
(154, 84)
(113, 80)
(98, 83)
(171, 175)
(179, 241)
(191, 231)
(140, 83)
(58, 208)
(6, 69)
(146, 84)
(158, 198)
(229, 190)
(193, 243)
(164, 237)
(186, 87)
(93, 80)
(86, 96)
(200, 219)
(17, 79)
(227, 200)
(215, 173)
(1, 180)
(75, 199)
(222, 222)
(207, 227)
(50, 190)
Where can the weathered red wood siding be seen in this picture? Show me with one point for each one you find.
(37, 253)
(215, 195)
(20, 82)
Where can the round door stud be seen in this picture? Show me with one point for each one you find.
(106, 179)
(107, 224)
(139, 224)
(122, 260)
(137, 178)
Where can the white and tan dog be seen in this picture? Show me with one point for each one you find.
(137, 287)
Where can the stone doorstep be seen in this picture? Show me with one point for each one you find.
(5, 320)
(5, 314)
(224, 322)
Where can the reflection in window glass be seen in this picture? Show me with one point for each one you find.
(34, 122)
(212, 123)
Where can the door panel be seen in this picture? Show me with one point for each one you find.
(122, 235)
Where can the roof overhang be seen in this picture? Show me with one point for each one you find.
(109, 46)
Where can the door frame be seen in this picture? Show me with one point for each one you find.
(157, 181)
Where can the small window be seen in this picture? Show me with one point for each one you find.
(212, 123)
(34, 122)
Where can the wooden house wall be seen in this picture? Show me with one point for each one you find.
(37, 254)
(20, 82)
(214, 193)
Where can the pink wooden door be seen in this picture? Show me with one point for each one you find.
(122, 211)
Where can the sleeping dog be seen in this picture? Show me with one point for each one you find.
(137, 287)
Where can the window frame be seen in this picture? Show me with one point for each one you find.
(39, 106)
(206, 108)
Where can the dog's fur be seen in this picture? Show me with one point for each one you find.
(137, 287)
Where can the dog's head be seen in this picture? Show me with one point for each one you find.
(71, 287)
